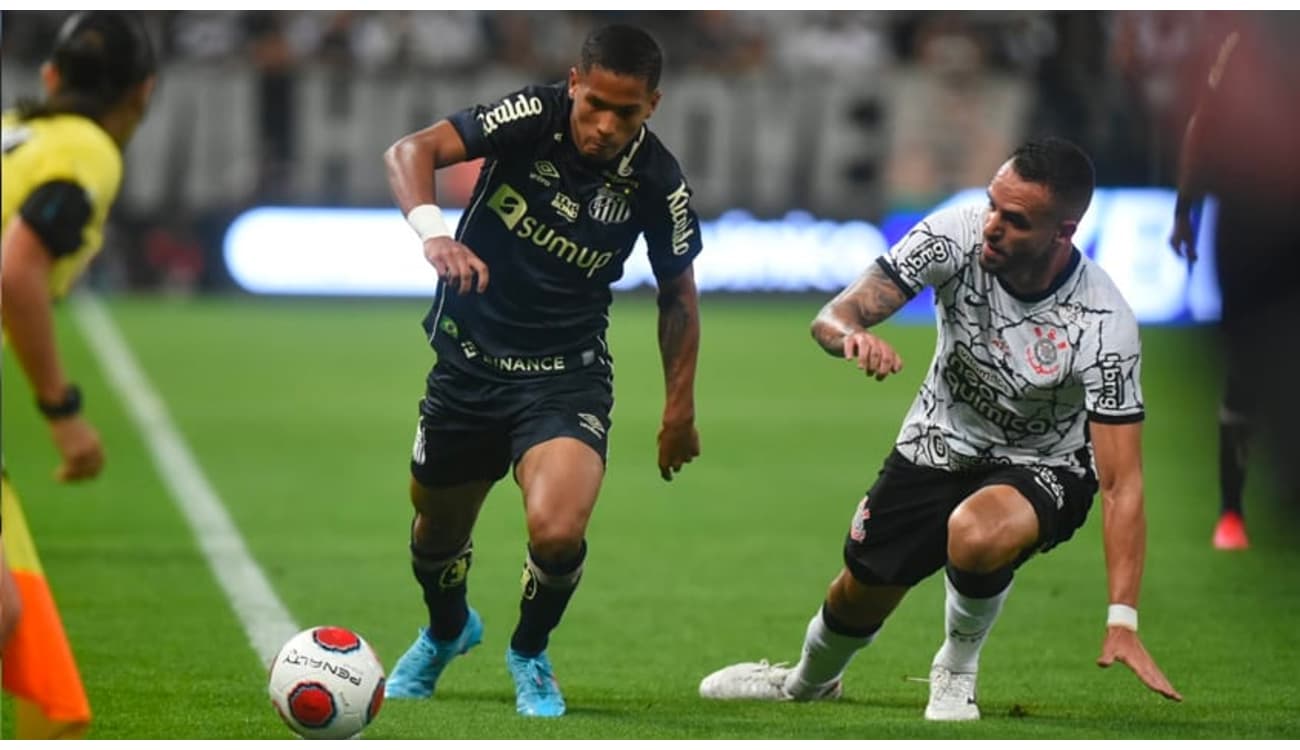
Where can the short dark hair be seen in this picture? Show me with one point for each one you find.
(1060, 165)
(99, 55)
(625, 50)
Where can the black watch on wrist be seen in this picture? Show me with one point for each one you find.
(69, 406)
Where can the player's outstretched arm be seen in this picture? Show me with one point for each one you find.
(410, 164)
(25, 308)
(1119, 466)
(679, 347)
(841, 326)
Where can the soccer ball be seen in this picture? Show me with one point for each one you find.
(327, 683)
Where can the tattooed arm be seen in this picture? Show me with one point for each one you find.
(841, 326)
(679, 346)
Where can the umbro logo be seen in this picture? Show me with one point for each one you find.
(544, 172)
(591, 423)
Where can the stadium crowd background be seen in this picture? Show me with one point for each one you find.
(845, 114)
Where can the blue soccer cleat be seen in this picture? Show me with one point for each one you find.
(536, 691)
(417, 672)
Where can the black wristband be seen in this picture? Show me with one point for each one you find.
(68, 407)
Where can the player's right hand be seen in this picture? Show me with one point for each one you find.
(679, 444)
(79, 446)
(1123, 646)
(873, 354)
(1183, 238)
(456, 264)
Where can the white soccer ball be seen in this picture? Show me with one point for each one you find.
(327, 683)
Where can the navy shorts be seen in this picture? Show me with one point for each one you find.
(472, 428)
(899, 532)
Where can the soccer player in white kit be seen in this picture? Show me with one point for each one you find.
(1031, 403)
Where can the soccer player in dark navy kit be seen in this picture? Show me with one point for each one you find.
(571, 177)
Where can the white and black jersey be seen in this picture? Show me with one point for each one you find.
(554, 230)
(1014, 380)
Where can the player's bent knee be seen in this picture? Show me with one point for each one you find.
(555, 539)
(978, 544)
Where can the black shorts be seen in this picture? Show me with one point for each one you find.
(472, 428)
(899, 533)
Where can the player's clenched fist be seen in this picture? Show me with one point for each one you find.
(873, 354)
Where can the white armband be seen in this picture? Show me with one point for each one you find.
(426, 219)
(1122, 616)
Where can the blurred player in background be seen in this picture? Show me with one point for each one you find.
(1241, 145)
(62, 167)
(1235, 426)
(1032, 399)
(524, 376)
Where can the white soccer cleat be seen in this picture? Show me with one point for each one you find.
(759, 681)
(952, 696)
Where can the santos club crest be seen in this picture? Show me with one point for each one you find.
(609, 207)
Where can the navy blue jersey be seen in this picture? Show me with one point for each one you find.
(554, 230)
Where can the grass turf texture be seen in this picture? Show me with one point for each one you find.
(302, 414)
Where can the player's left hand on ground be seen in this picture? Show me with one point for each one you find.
(1124, 646)
(679, 443)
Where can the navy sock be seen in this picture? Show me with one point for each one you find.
(548, 586)
(443, 577)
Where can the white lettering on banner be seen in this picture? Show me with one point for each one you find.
(267, 250)
(203, 120)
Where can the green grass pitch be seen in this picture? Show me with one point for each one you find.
(302, 413)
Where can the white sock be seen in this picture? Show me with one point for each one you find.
(967, 622)
(825, 656)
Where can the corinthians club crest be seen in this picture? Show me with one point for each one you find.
(1043, 354)
(609, 207)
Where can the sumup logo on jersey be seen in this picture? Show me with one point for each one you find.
(609, 207)
(511, 207)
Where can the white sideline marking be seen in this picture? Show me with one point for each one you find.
(264, 617)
